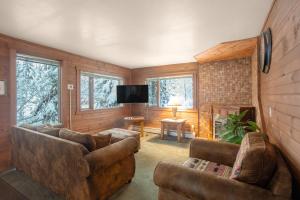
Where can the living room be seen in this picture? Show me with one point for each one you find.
(149, 99)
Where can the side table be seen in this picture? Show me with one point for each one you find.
(136, 119)
(179, 123)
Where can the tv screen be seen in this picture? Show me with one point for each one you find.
(132, 93)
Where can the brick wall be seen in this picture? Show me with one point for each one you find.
(225, 82)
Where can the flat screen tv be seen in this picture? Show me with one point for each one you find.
(132, 93)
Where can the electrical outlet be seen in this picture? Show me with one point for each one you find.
(70, 87)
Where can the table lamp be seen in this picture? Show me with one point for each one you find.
(174, 102)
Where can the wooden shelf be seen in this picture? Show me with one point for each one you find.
(228, 51)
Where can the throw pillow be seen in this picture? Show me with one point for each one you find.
(84, 139)
(256, 160)
(102, 140)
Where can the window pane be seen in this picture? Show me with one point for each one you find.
(84, 92)
(181, 87)
(152, 85)
(38, 87)
(105, 92)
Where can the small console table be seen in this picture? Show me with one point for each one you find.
(136, 120)
(179, 123)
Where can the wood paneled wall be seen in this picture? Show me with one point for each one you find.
(4, 109)
(256, 97)
(82, 121)
(154, 115)
(280, 88)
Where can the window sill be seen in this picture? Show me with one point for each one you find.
(102, 110)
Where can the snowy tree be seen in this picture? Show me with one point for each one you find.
(37, 91)
(103, 90)
(84, 92)
(152, 92)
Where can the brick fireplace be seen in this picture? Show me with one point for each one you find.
(214, 117)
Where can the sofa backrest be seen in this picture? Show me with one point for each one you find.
(54, 162)
(281, 182)
(260, 163)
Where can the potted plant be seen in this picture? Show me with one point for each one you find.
(236, 128)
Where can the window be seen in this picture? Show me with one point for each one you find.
(37, 90)
(153, 88)
(84, 92)
(98, 91)
(162, 90)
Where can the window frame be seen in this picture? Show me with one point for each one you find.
(91, 108)
(194, 83)
(49, 60)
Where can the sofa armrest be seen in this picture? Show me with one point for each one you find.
(219, 152)
(107, 156)
(194, 184)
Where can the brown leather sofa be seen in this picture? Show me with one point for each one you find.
(68, 169)
(183, 183)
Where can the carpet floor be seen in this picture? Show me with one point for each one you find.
(142, 187)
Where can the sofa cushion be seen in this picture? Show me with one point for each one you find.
(84, 139)
(209, 167)
(30, 126)
(48, 130)
(256, 160)
(118, 134)
(102, 140)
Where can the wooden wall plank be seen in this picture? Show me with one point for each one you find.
(280, 88)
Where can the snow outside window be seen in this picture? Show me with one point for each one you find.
(161, 90)
(84, 92)
(98, 91)
(37, 90)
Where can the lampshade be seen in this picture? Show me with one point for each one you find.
(175, 101)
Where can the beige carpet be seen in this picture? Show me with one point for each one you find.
(142, 187)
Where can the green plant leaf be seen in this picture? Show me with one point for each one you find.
(241, 132)
(253, 126)
(235, 129)
(242, 115)
(237, 140)
(226, 132)
(225, 139)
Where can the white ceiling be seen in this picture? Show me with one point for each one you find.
(133, 33)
